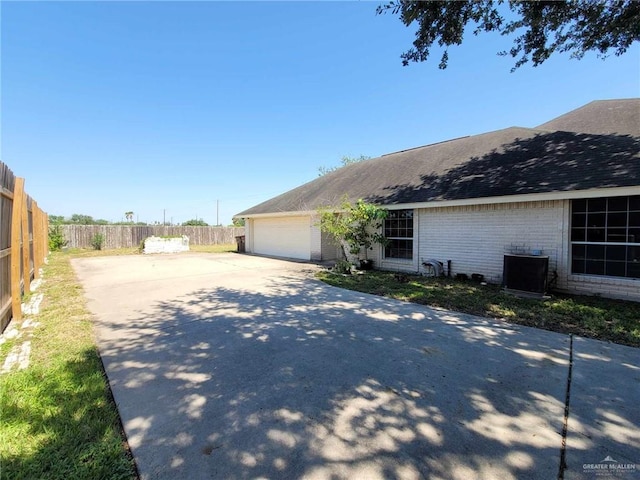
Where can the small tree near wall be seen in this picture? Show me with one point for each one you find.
(97, 241)
(354, 226)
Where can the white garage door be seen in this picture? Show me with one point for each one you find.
(283, 237)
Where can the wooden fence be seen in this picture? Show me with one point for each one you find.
(128, 236)
(23, 244)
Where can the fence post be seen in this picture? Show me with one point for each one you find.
(16, 257)
(42, 233)
(45, 236)
(26, 244)
(37, 244)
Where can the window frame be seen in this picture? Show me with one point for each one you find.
(402, 231)
(604, 237)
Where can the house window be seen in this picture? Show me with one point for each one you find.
(398, 229)
(605, 236)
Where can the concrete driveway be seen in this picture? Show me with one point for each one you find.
(236, 367)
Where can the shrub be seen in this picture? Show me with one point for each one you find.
(56, 237)
(195, 222)
(97, 241)
(342, 266)
(356, 225)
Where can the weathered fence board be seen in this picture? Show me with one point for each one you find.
(23, 244)
(7, 186)
(128, 236)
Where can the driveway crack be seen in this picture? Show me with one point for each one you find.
(565, 425)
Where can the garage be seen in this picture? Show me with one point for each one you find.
(283, 237)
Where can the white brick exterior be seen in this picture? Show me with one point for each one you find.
(476, 237)
(623, 288)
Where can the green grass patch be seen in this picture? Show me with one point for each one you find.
(58, 417)
(593, 317)
(223, 248)
(83, 252)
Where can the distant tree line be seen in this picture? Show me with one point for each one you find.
(80, 219)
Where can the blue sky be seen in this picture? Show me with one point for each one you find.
(176, 107)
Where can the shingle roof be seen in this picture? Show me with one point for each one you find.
(505, 162)
(621, 117)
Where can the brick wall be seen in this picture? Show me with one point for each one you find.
(476, 237)
(622, 288)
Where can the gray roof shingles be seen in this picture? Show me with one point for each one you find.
(619, 117)
(512, 161)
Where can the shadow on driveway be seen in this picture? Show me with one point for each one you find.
(291, 378)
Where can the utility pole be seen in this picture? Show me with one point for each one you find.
(217, 213)
(164, 216)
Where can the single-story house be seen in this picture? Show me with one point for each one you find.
(568, 189)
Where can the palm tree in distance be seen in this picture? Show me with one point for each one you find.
(129, 216)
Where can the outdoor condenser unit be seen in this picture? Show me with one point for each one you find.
(526, 273)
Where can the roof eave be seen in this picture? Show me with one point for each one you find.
(296, 213)
(529, 197)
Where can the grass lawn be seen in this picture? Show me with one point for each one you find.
(58, 418)
(224, 248)
(593, 317)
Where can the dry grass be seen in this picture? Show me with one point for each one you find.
(85, 252)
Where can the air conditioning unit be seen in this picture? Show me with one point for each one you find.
(526, 273)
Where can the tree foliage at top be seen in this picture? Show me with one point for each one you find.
(541, 28)
(77, 219)
(344, 161)
(195, 222)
